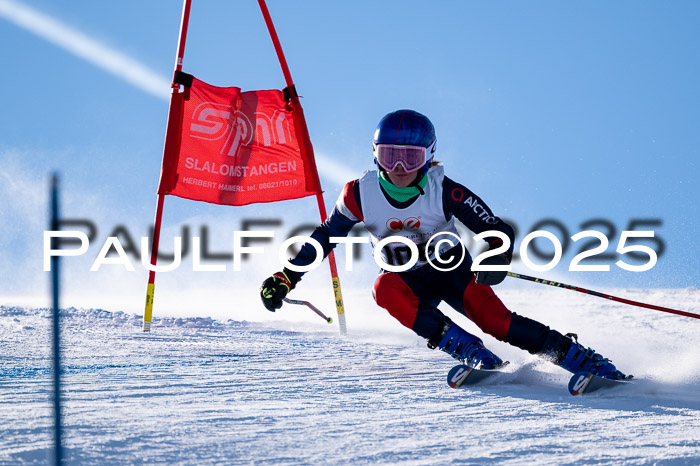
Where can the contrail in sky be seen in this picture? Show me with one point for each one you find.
(118, 64)
(88, 49)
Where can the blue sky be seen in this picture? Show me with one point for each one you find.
(547, 110)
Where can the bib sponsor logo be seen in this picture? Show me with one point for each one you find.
(395, 225)
(411, 224)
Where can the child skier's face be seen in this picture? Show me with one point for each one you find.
(400, 178)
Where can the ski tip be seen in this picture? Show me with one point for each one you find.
(457, 375)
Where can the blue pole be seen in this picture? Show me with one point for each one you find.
(56, 327)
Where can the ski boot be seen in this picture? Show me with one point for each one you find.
(568, 353)
(466, 347)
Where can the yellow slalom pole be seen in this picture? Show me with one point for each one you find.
(340, 308)
(174, 117)
(148, 311)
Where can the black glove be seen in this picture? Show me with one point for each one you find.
(274, 289)
(492, 277)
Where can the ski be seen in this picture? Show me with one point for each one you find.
(585, 383)
(463, 375)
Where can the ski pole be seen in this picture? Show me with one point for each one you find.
(307, 152)
(310, 306)
(56, 345)
(602, 295)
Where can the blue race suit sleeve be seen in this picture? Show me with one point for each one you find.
(473, 212)
(344, 216)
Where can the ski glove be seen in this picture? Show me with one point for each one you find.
(492, 277)
(274, 289)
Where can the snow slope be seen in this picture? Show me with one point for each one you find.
(199, 390)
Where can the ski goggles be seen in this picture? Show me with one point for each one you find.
(411, 158)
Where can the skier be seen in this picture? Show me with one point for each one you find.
(410, 196)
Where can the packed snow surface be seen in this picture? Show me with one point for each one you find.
(202, 390)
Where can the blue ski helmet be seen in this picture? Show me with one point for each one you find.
(406, 128)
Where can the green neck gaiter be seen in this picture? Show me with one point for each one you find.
(401, 194)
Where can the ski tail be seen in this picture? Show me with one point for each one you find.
(463, 375)
(458, 374)
(585, 383)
